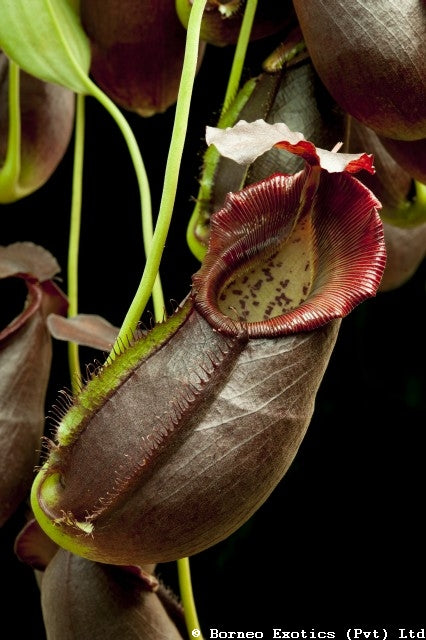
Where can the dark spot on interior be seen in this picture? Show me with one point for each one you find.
(267, 272)
(282, 298)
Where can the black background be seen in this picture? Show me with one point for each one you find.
(341, 539)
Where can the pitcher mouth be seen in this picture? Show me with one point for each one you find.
(289, 254)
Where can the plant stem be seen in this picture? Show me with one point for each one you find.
(171, 177)
(187, 596)
(239, 57)
(74, 238)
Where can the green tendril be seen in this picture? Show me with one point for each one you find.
(174, 159)
(74, 237)
(239, 57)
(187, 596)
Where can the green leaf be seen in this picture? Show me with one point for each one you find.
(46, 39)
